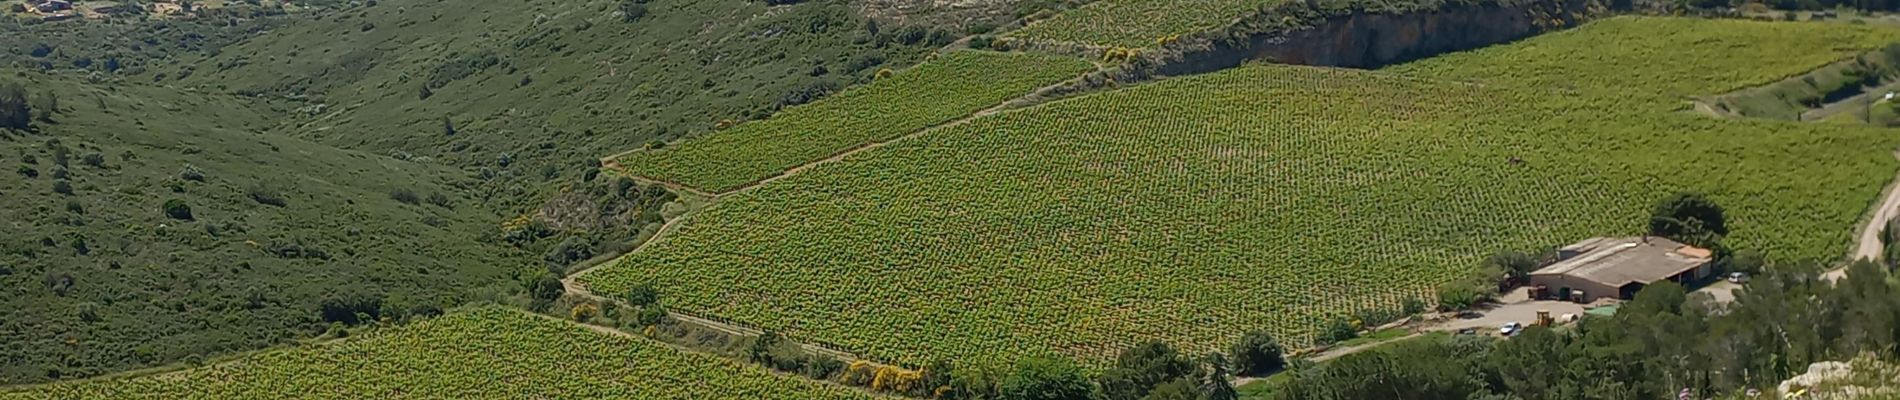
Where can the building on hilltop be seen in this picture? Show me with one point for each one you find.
(1599, 268)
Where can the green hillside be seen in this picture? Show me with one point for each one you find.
(484, 353)
(1192, 209)
(537, 92)
(100, 276)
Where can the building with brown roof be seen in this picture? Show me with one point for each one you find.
(1599, 268)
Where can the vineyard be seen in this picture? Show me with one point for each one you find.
(1664, 60)
(955, 85)
(1264, 197)
(478, 354)
(1137, 23)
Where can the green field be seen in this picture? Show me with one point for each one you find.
(1266, 197)
(484, 353)
(1137, 23)
(1658, 59)
(953, 86)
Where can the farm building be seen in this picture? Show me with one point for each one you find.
(1600, 267)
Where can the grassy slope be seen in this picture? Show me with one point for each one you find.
(1150, 213)
(939, 91)
(572, 81)
(164, 289)
(484, 353)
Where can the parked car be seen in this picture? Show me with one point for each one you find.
(1737, 277)
(1510, 328)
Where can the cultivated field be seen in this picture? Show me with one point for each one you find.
(477, 354)
(1193, 209)
(1659, 59)
(953, 86)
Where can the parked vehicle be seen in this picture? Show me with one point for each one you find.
(1510, 328)
(1737, 277)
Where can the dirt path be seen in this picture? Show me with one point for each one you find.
(1868, 247)
(1843, 105)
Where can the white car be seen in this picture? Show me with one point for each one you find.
(1510, 328)
(1737, 278)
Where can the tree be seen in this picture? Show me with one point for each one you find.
(1257, 354)
(1458, 296)
(546, 287)
(642, 295)
(1044, 378)
(448, 126)
(14, 111)
(1178, 389)
(177, 209)
(1140, 369)
(1215, 386)
(1514, 264)
(1688, 217)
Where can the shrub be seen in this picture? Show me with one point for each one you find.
(1339, 330)
(643, 295)
(1257, 353)
(584, 312)
(650, 316)
(1412, 307)
(546, 287)
(1458, 296)
(95, 160)
(177, 209)
(822, 367)
(405, 196)
(266, 196)
(28, 172)
(440, 200)
(62, 187)
(191, 173)
(1046, 379)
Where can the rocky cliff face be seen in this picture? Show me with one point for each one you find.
(1371, 40)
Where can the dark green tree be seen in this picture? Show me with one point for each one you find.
(177, 209)
(1688, 217)
(1258, 353)
(546, 287)
(1215, 385)
(1140, 369)
(642, 295)
(14, 111)
(1045, 378)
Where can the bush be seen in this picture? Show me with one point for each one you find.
(405, 196)
(351, 309)
(546, 287)
(1257, 353)
(177, 209)
(1046, 379)
(1339, 330)
(650, 316)
(1458, 296)
(632, 10)
(191, 173)
(822, 367)
(642, 295)
(441, 200)
(266, 196)
(95, 160)
(62, 187)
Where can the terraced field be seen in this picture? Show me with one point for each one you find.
(953, 86)
(1193, 209)
(1137, 23)
(487, 353)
